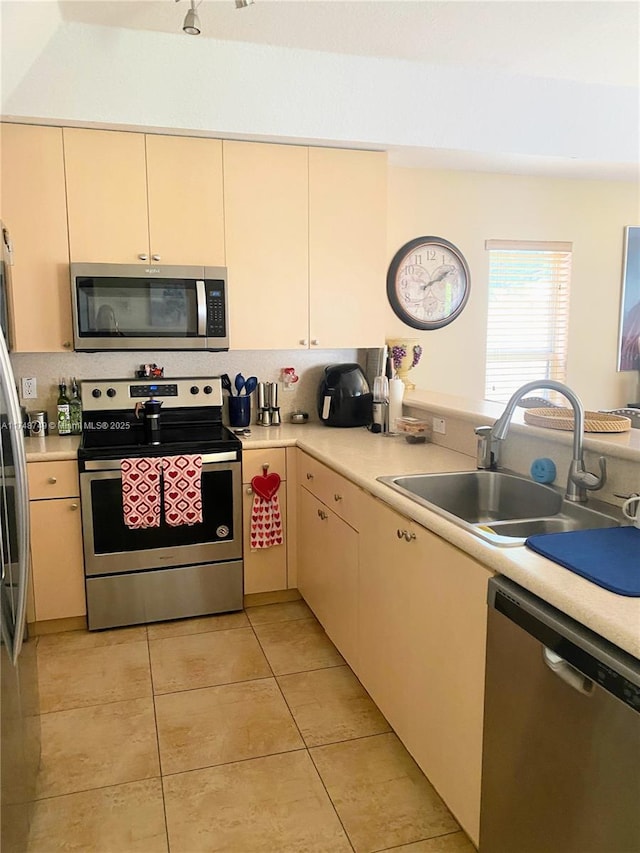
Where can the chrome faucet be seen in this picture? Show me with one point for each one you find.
(579, 480)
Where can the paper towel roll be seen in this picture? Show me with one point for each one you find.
(396, 393)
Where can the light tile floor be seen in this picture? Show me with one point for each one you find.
(238, 733)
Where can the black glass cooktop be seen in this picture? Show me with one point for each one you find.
(116, 436)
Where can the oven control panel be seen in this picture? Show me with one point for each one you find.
(117, 394)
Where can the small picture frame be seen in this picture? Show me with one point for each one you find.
(629, 337)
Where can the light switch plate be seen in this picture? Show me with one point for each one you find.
(440, 425)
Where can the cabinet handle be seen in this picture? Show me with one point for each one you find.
(337, 497)
(73, 506)
(315, 342)
(249, 490)
(155, 257)
(303, 342)
(404, 534)
(323, 515)
(67, 344)
(143, 257)
(53, 480)
(309, 476)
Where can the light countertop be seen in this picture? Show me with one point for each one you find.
(362, 456)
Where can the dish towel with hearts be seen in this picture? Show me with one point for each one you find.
(266, 518)
(141, 492)
(182, 477)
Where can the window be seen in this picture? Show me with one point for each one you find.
(528, 315)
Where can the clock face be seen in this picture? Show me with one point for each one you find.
(428, 283)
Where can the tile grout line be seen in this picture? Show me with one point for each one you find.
(407, 844)
(155, 722)
(306, 748)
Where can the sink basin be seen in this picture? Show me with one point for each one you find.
(497, 506)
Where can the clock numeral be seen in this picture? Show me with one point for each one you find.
(431, 254)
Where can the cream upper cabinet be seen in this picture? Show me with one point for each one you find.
(266, 224)
(186, 221)
(347, 247)
(33, 210)
(143, 198)
(106, 196)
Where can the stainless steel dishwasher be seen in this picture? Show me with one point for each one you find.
(561, 752)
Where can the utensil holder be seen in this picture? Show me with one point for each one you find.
(240, 411)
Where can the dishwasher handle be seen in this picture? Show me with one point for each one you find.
(569, 674)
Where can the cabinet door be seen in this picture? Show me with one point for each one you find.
(446, 621)
(56, 556)
(184, 177)
(106, 196)
(347, 247)
(384, 598)
(265, 569)
(266, 222)
(328, 572)
(33, 209)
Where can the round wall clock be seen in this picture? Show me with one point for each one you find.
(428, 283)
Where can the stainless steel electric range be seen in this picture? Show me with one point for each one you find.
(141, 575)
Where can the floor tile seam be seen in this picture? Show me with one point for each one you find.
(301, 748)
(348, 739)
(198, 633)
(41, 652)
(211, 686)
(159, 754)
(94, 705)
(312, 669)
(264, 654)
(98, 787)
(366, 737)
(282, 621)
(333, 805)
(220, 684)
(406, 844)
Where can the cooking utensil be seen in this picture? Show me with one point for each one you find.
(250, 385)
(226, 383)
(239, 383)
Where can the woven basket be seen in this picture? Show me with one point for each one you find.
(558, 418)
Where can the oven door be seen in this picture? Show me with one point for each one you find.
(110, 547)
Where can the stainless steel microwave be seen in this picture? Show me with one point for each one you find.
(144, 307)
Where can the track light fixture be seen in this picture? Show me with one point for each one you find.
(191, 24)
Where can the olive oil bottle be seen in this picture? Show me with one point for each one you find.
(64, 411)
(75, 408)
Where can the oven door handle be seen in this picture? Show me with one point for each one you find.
(114, 464)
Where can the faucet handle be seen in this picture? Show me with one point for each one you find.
(591, 481)
(485, 457)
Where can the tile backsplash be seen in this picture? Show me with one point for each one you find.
(267, 365)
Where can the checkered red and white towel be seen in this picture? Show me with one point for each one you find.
(182, 490)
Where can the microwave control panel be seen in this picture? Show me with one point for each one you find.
(216, 310)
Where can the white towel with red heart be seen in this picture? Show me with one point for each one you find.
(266, 517)
(182, 490)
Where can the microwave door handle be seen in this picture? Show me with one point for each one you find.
(201, 301)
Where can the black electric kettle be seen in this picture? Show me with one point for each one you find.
(149, 411)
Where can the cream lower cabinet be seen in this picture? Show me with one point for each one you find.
(56, 541)
(265, 569)
(421, 646)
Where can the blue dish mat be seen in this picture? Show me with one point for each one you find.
(607, 556)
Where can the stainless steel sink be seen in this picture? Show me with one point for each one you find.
(500, 507)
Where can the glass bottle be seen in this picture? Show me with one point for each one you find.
(64, 413)
(75, 408)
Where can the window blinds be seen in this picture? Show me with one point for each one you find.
(528, 316)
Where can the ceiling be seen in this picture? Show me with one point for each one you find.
(587, 41)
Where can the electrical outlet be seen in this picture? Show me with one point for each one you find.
(29, 388)
(440, 425)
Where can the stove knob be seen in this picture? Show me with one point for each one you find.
(96, 392)
(195, 389)
(207, 389)
(111, 392)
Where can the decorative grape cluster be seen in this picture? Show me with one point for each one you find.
(397, 354)
(417, 354)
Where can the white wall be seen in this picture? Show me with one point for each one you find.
(467, 208)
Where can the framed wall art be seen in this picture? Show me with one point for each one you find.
(629, 338)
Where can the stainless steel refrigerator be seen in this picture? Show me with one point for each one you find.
(19, 720)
